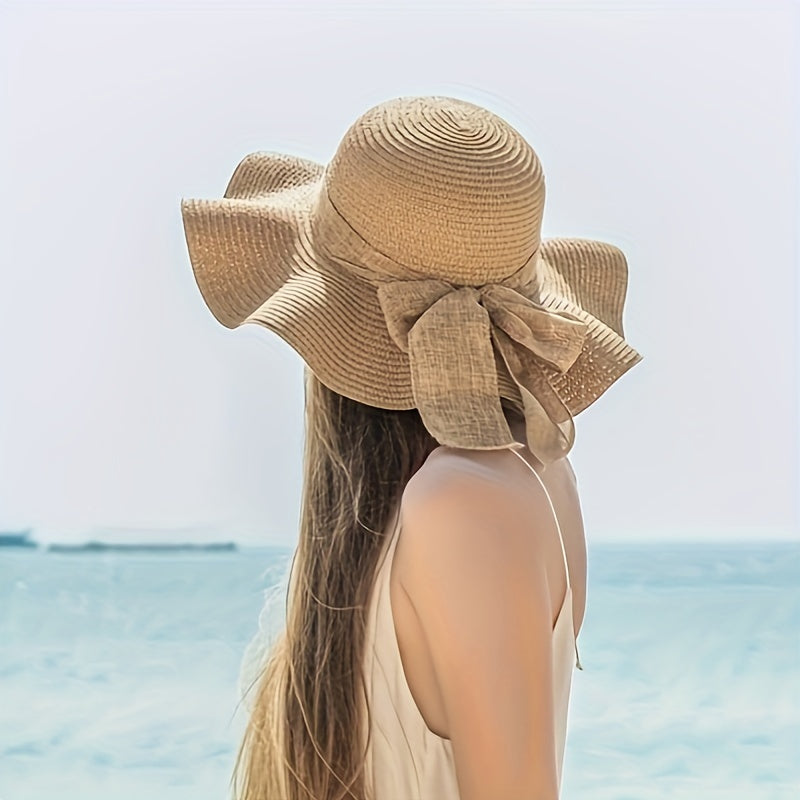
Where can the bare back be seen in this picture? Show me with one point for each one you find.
(503, 467)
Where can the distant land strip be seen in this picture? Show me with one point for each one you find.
(96, 547)
(22, 539)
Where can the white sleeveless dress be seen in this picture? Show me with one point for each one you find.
(405, 759)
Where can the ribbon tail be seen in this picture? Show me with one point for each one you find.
(549, 425)
(454, 374)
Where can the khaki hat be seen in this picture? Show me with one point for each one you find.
(409, 272)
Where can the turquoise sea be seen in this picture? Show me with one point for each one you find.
(119, 672)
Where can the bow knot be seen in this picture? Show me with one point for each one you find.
(452, 335)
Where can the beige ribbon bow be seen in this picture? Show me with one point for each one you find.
(448, 331)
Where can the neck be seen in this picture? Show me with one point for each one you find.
(517, 428)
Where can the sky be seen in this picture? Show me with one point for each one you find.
(669, 129)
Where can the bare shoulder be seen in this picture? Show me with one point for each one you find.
(450, 471)
(479, 589)
(476, 504)
(452, 468)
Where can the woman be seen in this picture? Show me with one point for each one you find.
(438, 584)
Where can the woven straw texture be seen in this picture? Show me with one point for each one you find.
(409, 272)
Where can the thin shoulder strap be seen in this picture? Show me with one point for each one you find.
(555, 517)
(563, 552)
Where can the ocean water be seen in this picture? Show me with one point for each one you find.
(119, 672)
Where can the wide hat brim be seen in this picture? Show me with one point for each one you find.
(255, 262)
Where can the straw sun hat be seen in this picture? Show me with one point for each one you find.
(409, 272)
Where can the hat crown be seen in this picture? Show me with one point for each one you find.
(440, 185)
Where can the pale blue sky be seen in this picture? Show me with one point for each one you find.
(669, 129)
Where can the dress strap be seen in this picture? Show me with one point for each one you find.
(563, 549)
(555, 517)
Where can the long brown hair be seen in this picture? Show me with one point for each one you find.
(303, 740)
